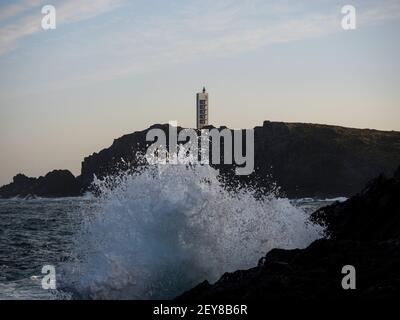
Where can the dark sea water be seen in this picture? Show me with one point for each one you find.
(34, 233)
(39, 232)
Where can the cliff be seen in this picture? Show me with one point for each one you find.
(363, 232)
(305, 160)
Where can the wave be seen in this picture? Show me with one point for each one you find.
(164, 229)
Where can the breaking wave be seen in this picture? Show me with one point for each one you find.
(164, 229)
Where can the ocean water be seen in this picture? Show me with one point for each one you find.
(150, 235)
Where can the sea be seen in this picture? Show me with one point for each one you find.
(149, 235)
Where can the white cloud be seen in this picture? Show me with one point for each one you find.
(16, 8)
(216, 29)
(67, 12)
(385, 11)
(193, 31)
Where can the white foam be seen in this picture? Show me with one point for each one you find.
(159, 232)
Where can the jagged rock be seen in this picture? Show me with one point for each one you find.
(364, 232)
(311, 274)
(373, 214)
(57, 183)
(304, 160)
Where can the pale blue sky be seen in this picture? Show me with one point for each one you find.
(115, 66)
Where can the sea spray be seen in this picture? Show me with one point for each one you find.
(163, 229)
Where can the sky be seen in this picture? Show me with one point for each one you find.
(112, 67)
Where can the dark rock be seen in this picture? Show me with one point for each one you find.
(373, 214)
(304, 160)
(364, 232)
(397, 174)
(22, 180)
(58, 183)
(313, 274)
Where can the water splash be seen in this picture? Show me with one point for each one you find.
(164, 229)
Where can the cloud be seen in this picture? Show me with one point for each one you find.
(224, 28)
(384, 12)
(16, 8)
(204, 27)
(183, 31)
(67, 12)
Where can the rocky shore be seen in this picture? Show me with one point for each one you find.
(363, 231)
(304, 160)
(57, 183)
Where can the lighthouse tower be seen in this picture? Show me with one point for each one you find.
(202, 109)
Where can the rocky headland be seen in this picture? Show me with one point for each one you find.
(304, 160)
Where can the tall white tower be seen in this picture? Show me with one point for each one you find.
(202, 109)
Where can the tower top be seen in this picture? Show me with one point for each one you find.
(204, 89)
